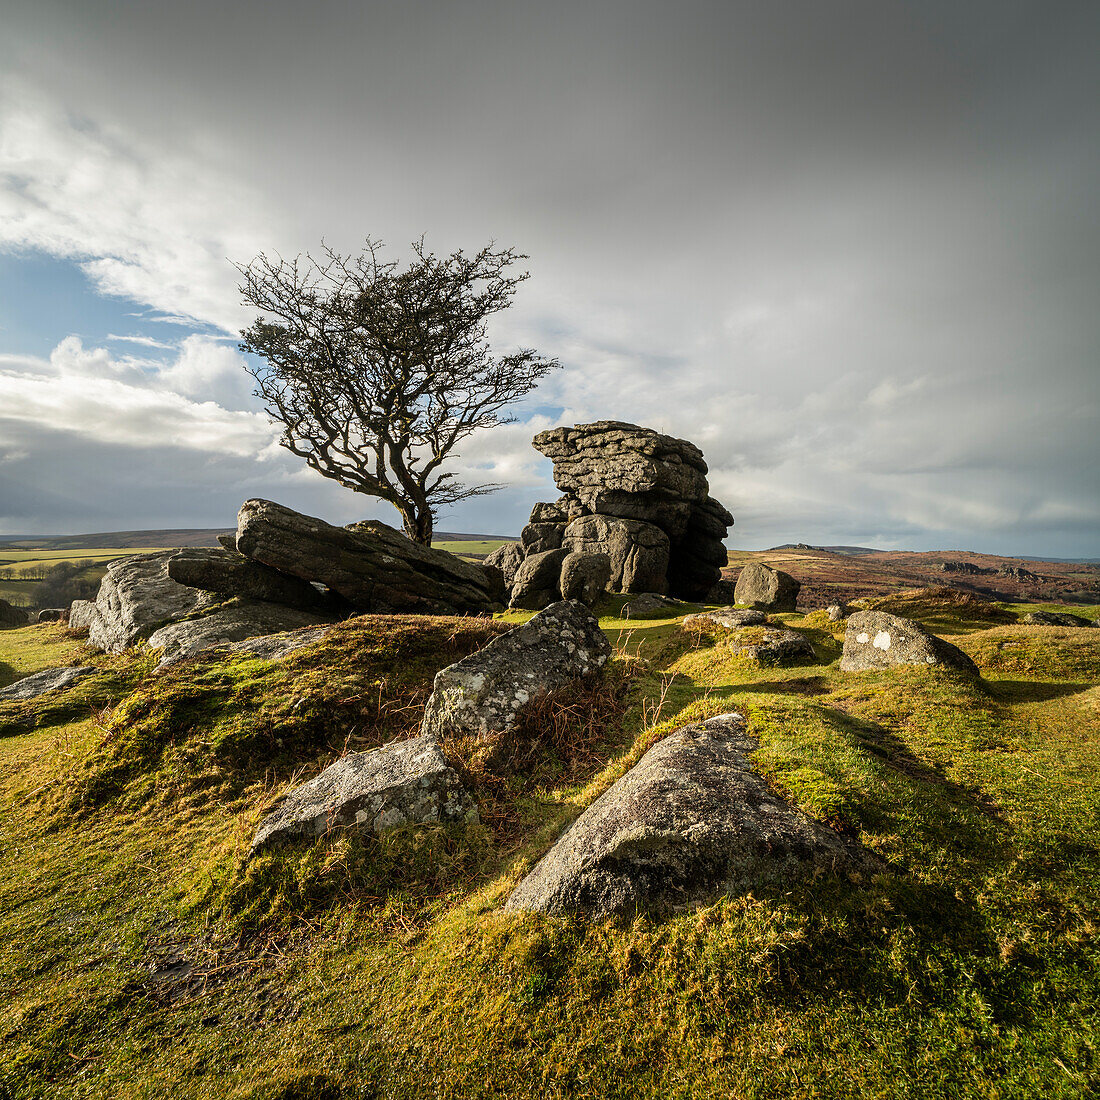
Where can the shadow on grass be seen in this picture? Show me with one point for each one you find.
(806, 685)
(1031, 691)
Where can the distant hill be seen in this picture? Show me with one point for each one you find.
(168, 538)
(846, 551)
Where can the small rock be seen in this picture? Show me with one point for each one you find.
(878, 640)
(52, 615)
(482, 694)
(232, 623)
(51, 679)
(765, 588)
(1054, 618)
(652, 605)
(402, 782)
(585, 577)
(836, 612)
(228, 541)
(689, 822)
(535, 585)
(11, 615)
(729, 618)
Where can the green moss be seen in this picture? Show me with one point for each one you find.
(140, 955)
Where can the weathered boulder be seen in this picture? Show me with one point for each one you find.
(231, 574)
(52, 615)
(626, 472)
(374, 567)
(638, 551)
(535, 584)
(507, 558)
(136, 596)
(232, 623)
(765, 588)
(50, 679)
(836, 612)
(1054, 618)
(82, 613)
(689, 822)
(537, 538)
(585, 577)
(11, 615)
(652, 605)
(727, 618)
(878, 640)
(402, 782)
(482, 694)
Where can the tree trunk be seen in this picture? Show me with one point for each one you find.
(418, 525)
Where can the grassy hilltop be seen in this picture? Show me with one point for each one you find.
(140, 956)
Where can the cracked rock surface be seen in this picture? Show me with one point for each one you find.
(481, 695)
(689, 822)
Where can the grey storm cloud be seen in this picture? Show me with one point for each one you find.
(848, 248)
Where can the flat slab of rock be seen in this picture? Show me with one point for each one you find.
(1055, 618)
(689, 822)
(50, 679)
(878, 640)
(726, 618)
(231, 574)
(374, 567)
(233, 623)
(136, 596)
(765, 588)
(403, 782)
(482, 694)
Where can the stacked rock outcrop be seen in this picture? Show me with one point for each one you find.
(640, 498)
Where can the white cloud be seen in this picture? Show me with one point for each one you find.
(150, 222)
(85, 392)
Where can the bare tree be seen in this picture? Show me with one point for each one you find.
(376, 374)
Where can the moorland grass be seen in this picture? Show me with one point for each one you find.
(140, 954)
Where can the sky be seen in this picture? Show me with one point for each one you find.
(850, 249)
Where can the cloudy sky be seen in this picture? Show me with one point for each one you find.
(851, 249)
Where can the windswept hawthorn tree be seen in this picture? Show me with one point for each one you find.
(377, 374)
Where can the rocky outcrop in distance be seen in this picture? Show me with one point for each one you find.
(637, 497)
